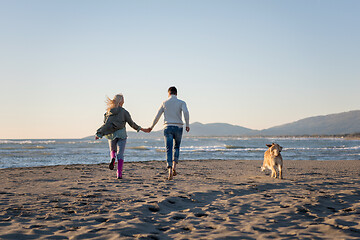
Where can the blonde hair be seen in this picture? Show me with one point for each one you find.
(113, 103)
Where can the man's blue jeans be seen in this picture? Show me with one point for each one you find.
(173, 134)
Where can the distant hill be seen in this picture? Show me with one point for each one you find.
(332, 124)
(219, 129)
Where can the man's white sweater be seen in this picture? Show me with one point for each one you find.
(172, 109)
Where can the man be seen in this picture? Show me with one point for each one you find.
(172, 109)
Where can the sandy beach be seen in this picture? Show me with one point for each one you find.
(206, 200)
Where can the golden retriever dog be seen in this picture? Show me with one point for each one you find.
(272, 159)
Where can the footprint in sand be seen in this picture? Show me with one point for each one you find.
(164, 228)
(154, 208)
(171, 201)
(179, 217)
(187, 228)
(201, 214)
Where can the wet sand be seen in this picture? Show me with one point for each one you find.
(206, 200)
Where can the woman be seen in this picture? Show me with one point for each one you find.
(114, 130)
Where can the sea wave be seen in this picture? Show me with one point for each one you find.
(25, 154)
(34, 147)
(160, 150)
(22, 142)
(142, 148)
(324, 148)
(233, 147)
(81, 142)
(226, 148)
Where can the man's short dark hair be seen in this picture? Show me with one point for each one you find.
(172, 90)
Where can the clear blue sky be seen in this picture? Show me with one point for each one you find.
(256, 64)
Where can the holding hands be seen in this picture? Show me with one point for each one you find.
(147, 130)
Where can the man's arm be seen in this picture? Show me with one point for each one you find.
(161, 110)
(186, 116)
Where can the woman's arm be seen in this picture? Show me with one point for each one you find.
(132, 124)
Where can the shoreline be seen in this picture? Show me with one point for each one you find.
(212, 199)
(163, 161)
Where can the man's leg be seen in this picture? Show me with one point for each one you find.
(169, 146)
(177, 138)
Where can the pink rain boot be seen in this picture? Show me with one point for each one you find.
(119, 168)
(113, 157)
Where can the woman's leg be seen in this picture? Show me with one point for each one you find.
(113, 150)
(120, 156)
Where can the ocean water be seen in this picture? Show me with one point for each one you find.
(48, 152)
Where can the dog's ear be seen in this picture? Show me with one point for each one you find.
(269, 145)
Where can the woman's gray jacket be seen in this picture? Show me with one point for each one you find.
(114, 120)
